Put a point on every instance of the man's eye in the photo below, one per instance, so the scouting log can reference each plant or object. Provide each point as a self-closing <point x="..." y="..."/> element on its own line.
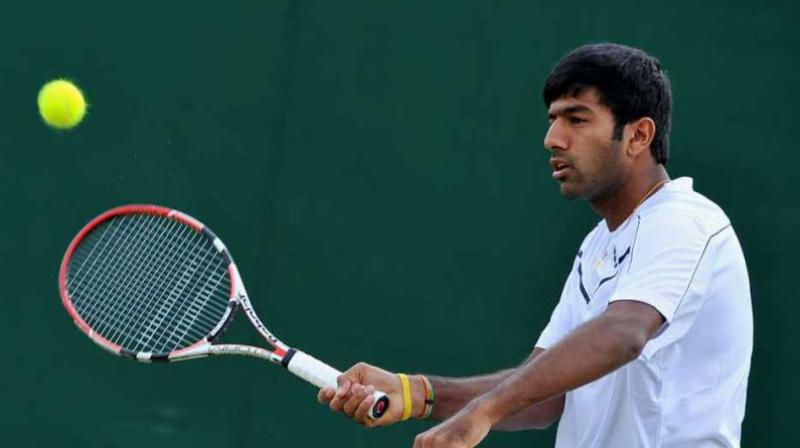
<point x="576" y="120"/>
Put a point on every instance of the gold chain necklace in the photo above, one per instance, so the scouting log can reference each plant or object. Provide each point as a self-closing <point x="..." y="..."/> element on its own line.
<point x="599" y="261"/>
<point x="650" y="192"/>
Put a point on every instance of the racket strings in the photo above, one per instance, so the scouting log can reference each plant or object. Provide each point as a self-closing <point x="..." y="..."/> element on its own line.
<point x="139" y="287"/>
<point x="169" y="314"/>
<point x="157" y="312"/>
<point x="101" y="313"/>
<point x="148" y="283"/>
<point x="105" y="312"/>
<point x="184" y="326"/>
<point x="207" y="282"/>
<point x="162" y="321"/>
<point x="157" y="269"/>
<point x="107" y="265"/>
<point x="95" y="264"/>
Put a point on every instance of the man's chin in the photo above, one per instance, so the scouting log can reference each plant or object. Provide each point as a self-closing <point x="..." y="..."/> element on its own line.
<point x="568" y="192"/>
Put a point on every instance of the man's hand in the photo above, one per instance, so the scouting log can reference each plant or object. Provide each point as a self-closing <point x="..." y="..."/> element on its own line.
<point x="466" y="429"/>
<point x="354" y="394"/>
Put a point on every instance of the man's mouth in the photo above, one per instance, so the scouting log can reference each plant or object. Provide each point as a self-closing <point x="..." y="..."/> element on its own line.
<point x="560" y="168"/>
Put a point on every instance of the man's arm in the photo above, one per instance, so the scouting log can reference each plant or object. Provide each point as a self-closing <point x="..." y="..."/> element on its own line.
<point x="356" y="385"/>
<point x="452" y="394"/>
<point x="593" y="350"/>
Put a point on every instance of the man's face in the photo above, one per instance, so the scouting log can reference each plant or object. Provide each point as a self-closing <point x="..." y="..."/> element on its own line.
<point x="586" y="160"/>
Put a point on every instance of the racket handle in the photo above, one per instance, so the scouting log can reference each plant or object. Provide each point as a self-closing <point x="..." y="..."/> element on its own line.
<point x="322" y="375"/>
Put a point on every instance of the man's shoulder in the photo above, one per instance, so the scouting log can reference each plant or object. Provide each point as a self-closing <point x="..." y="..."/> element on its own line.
<point x="682" y="210"/>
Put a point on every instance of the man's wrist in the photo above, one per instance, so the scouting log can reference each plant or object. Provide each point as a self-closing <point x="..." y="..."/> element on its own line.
<point x="486" y="408"/>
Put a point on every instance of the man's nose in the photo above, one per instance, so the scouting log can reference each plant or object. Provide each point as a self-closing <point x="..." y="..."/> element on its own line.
<point x="556" y="138"/>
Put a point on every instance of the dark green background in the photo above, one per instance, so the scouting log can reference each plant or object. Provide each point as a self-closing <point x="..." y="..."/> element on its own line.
<point x="377" y="170"/>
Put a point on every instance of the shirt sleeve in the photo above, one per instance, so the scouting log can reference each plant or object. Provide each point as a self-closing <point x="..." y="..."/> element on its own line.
<point x="560" y="321"/>
<point x="666" y="258"/>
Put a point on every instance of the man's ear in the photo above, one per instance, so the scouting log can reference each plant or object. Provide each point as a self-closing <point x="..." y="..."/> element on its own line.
<point x="641" y="134"/>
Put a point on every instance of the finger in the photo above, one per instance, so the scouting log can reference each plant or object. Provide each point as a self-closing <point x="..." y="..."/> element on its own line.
<point x="344" y="383"/>
<point x="362" y="411"/>
<point x="325" y="395"/>
<point x="357" y="395"/>
<point x="340" y="397"/>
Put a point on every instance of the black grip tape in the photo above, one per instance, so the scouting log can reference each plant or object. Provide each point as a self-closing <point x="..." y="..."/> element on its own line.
<point x="288" y="357"/>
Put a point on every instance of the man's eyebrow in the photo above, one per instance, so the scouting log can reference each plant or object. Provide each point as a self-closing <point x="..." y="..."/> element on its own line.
<point x="568" y="110"/>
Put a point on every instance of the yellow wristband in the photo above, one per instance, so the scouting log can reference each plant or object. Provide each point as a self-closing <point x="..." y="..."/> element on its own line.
<point x="406" y="396"/>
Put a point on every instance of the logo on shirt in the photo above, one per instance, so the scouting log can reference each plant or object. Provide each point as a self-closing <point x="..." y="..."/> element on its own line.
<point x="617" y="263"/>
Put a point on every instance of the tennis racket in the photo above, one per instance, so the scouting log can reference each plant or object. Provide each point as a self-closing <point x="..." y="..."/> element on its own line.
<point x="154" y="284"/>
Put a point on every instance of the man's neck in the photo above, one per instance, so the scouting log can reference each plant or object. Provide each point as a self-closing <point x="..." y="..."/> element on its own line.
<point x="618" y="207"/>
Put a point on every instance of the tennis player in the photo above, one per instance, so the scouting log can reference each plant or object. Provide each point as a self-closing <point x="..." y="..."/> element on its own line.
<point x="650" y="342"/>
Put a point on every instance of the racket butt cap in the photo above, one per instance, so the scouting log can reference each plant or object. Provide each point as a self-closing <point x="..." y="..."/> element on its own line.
<point x="380" y="407"/>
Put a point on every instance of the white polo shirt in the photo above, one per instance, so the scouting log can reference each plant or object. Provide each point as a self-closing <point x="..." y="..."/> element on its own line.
<point x="678" y="253"/>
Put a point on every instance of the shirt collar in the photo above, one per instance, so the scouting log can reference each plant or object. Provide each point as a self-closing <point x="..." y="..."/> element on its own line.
<point x="680" y="184"/>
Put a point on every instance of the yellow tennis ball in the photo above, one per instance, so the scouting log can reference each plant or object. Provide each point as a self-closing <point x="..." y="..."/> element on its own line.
<point x="61" y="104"/>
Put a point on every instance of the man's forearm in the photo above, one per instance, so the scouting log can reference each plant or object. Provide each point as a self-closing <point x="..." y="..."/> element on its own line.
<point x="452" y="394"/>
<point x="597" y="348"/>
